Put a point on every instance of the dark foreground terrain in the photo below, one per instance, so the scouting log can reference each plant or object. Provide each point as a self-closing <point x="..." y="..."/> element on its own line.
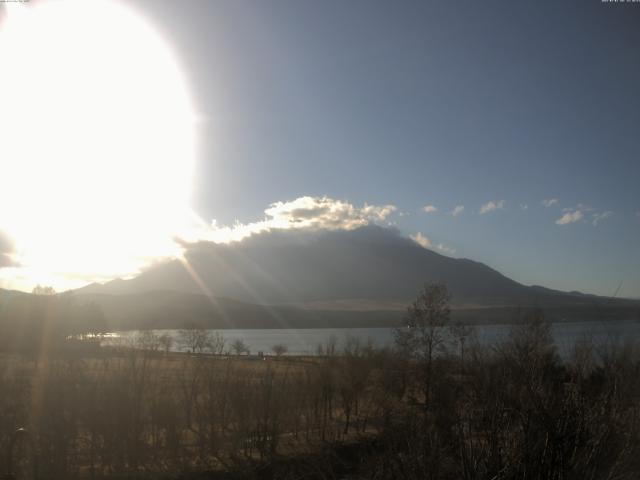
<point x="437" y="408"/>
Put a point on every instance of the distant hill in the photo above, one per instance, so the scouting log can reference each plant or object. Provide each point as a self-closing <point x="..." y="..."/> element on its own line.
<point x="171" y="309"/>
<point x="363" y="277"/>
<point x="10" y="293"/>
<point x="175" y="310"/>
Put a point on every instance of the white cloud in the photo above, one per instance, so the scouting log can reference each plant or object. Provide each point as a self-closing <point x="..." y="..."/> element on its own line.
<point x="424" y="242"/>
<point x="445" y="249"/>
<point x="457" y="210"/>
<point x="324" y="214"/>
<point x="524" y="206"/>
<point x="598" y="217"/>
<point x="579" y="212"/>
<point x="570" y="216"/>
<point x="430" y="209"/>
<point x="549" y="202"/>
<point x="421" y="240"/>
<point x="491" y="206"/>
<point x="313" y="213"/>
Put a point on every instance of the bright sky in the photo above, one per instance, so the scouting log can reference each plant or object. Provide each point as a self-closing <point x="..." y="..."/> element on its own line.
<point x="505" y="132"/>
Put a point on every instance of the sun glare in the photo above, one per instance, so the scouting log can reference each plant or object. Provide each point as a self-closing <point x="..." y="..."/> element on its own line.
<point x="96" y="140"/>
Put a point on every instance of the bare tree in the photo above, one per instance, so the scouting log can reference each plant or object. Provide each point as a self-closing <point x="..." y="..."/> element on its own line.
<point x="147" y="340"/>
<point x="166" y="342"/>
<point x="279" y="349"/>
<point x="460" y="333"/>
<point x="329" y="348"/>
<point x="424" y="333"/>
<point x="239" y="347"/>
<point x="195" y="340"/>
<point x="217" y="343"/>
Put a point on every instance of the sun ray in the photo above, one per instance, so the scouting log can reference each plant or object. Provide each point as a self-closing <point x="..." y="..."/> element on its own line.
<point x="205" y="290"/>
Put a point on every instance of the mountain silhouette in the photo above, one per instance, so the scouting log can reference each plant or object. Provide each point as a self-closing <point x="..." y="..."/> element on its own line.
<point x="306" y="278"/>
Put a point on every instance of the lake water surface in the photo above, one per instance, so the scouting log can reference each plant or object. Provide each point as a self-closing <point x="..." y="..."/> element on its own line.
<point x="306" y="341"/>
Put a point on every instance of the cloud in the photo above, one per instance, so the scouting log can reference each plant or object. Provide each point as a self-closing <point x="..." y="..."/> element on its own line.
<point x="430" y="209"/>
<point x="310" y="213"/>
<point x="598" y="217"/>
<point x="524" y="206"/>
<point x="421" y="240"/>
<point x="491" y="206"/>
<point x="7" y="249"/>
<point x="6" y="245"/>
<point x="457" y="210"/>
<point x="570" y="216"/>
<point x="325" y="214"/>
<point x="425" y="242"/>
<point x="579" y="212"/>
<point x="7" y="260"/>
<point x="549" y="202"/>
<point x="445" y="249"/>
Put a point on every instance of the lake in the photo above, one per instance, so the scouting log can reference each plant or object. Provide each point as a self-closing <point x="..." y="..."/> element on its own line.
<point x="306" y="341"/>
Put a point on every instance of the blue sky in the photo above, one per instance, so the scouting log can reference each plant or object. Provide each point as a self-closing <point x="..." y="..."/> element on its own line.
<point x="417" y="103"/>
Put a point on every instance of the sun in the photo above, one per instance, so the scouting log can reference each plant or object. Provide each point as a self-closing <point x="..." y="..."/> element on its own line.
<point x="97" y="141"/>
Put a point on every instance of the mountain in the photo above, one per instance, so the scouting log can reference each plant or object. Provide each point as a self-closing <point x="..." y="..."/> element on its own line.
<point x="371" y="263"/>
<point x="324" y="278"/>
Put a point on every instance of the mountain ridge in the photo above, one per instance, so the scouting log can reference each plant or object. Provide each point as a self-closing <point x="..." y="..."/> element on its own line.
<point x="295" y="268"/>
<point x="366" y="276"/>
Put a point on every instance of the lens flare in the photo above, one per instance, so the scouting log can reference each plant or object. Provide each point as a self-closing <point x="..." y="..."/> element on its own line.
<point x="97" y="141"/>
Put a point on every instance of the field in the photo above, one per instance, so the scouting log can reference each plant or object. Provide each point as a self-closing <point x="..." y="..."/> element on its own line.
<point x="148" y="413"/>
